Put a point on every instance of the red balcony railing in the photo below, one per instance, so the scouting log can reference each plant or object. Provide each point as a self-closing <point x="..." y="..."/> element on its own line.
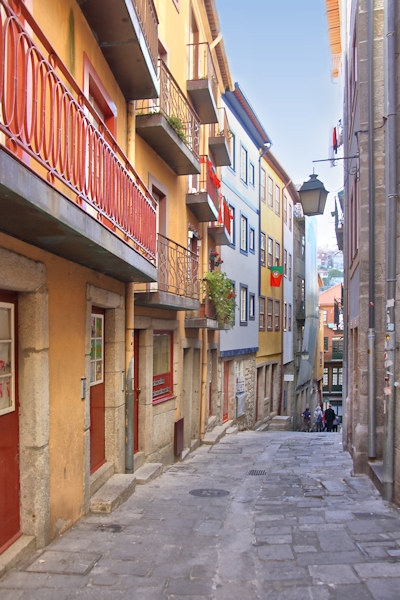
<point x="45" y="116"/>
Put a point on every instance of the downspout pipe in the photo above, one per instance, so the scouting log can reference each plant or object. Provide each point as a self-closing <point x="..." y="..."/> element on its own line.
<point x="371" y="251"/>
<point x="391" y="235"/>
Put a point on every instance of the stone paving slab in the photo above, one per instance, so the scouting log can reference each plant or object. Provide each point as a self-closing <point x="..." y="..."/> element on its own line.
<point x="266" y="525"/>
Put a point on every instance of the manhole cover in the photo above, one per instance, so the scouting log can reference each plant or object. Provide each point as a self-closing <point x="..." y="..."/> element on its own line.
<point x="258" y="472"/>
<point x="111" y="527"/>
<point x="208" y="492"/>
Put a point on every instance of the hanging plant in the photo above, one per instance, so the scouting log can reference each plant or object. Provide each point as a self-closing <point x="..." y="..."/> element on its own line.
<point x="219" y="289"/>
<point x="178" y="127"/>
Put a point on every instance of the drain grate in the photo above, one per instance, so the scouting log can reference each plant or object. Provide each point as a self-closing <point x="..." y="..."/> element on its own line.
<point x="258" y="472"/>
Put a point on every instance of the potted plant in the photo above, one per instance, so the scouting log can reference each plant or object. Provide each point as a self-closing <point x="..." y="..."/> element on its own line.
<point x="178" y="127"/>
<point x="219" y="289"/>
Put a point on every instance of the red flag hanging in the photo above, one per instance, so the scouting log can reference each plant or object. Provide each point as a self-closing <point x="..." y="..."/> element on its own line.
<point x="276" y="276"/>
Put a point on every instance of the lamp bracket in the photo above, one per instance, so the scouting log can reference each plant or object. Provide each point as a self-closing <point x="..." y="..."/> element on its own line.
<point x="336" y="158"/>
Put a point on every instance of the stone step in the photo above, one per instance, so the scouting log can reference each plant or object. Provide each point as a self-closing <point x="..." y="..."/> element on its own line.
<point x="280" y="423"/>
<point x="113" y="493"/>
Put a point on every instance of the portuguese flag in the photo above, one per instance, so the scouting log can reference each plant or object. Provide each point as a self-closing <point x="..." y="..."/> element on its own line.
<point x="276" y="276"/>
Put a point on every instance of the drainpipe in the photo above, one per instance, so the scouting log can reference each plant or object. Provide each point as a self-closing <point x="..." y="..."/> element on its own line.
<point x="371" y="252"/>
<point x="204" y="343"/>
<point x="391" y="235"/>
<point x="129" y="324"/>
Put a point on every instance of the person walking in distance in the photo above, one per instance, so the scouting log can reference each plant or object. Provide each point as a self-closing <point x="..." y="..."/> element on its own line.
<point x="306" y="419"/>
<point x="329" y="417"/>
<point x="318" y="418"/>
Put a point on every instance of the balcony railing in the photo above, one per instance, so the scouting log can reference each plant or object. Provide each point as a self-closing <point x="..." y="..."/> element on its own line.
<point x="219" y="140"/>
<point x="178" y="282"/>
<point x="202" y="84"/>
<point x="147" y="15"/>
<point x="178" y="269"/>
<point x="45" y="116"/>
<point x="173" y="105"/>
<point x="203" y="193"/>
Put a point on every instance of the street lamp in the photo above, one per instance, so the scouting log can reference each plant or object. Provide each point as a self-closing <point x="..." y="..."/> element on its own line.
<point x="305" y="355"/>
<point x="313" y="196"/>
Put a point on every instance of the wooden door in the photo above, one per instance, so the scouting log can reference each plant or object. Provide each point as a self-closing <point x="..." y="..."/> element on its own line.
<point x="97" y="390"/>
<point x="9" y="423"/>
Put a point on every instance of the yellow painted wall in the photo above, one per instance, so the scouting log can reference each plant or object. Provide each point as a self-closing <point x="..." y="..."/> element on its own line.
<point x="66" y="286"/>
<point x="270" y="342"/>
<point x="67" y="30"/>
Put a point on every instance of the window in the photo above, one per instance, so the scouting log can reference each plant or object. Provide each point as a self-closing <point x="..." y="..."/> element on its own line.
<point x="243" y="234"/>
<point x="270" y="192"/>
<point x="243" y="164"/>
<point x="243" y="304"/>
<point x="277" y="315"/>
<point x="96" y="349"/>
<point x="261" y="313"/>
<point x="252" y="175"/>
<point x="285" y="208"/>
<point x="290" y="219"/>
<point x="233" y="151"/>
<point x="270" y="309"/>
<point x="162" y="366"/>
<point x="320" y="359"/>
<point x="285" y="270"/>
<point x="284" y="324"/>
<point x="326" y="379"/>
<point x="252" y="237"/>
<point x="7" y="360"/>
<point x="337" y="348"/>
<point x="290" y="267"/>
<point x="263" y="185"/>
<point x="290" y="317"/>
<point x="277" y="254"/>
<point x="270" y="251"/>
<point x="98" y="96"/>
<point x="336" y="379"/>
<point x="252" y="307"/>
<point x="326" y="344"/>
<point x="233" y="225"/>
<point x="277" y="200"/>
<point x="262" y="248"/>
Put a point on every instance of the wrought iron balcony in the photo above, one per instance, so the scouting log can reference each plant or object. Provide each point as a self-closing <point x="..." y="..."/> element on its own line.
<point x="170" y="125"/>
<point x="202" y="84"/>
<point x="127" y="33"/>
<point x="66" y="186"/>
<point x="203" y="195"/>
<point x="219" y="140"/>
<point x="178" y="285"/>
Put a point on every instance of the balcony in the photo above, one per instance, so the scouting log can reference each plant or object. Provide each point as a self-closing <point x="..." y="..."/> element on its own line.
<point x="300" y="310"/>
<point x="127" y="33"/>
<point x="170" y="126"/>
<point x="219" y="140"/>
<point x="202" y="83"/>
<point x="178" y="286"/>
<point x="203" y="195"/>
<point x="65" y="185"/>
<point x="220" y="231"/>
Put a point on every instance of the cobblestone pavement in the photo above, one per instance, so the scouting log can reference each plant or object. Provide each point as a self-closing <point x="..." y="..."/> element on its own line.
<point x="260" y="515"/>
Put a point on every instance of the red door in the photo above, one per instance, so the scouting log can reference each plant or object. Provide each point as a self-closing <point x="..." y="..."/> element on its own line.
<point x="136" y="392"/>
<point x="97" y="390"/>
<point x="9" y="423"/>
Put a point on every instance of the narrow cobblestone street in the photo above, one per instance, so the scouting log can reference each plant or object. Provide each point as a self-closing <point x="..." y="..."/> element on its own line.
<point x="260" y="515"/>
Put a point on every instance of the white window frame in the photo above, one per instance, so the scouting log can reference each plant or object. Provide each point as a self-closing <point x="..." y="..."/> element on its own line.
<point x="7" y="373"/>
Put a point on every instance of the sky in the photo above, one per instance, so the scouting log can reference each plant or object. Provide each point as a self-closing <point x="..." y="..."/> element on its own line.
<point x="278" y="53"/>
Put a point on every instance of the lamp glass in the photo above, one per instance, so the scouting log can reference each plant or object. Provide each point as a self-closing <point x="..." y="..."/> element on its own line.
<point x="313" y="196"/>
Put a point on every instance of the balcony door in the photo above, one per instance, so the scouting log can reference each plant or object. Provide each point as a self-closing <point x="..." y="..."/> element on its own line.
<point x="97" y="390"/>
<point x="9" y="423"/>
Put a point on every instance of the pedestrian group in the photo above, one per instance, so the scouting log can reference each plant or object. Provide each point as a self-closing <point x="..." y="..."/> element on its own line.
<point x="324" y="420"/>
